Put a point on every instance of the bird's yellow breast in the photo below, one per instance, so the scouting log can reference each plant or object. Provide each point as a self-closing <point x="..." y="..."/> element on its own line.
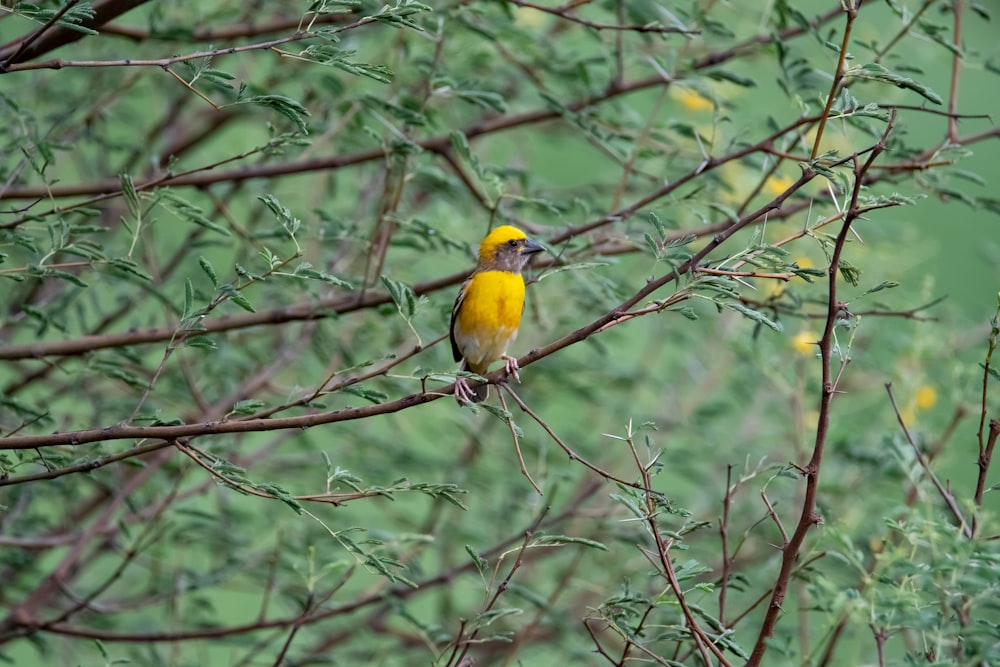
<point x="489" y="316"/>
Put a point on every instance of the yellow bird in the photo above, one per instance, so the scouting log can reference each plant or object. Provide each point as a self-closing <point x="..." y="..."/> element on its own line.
<point x="487" y="312"/>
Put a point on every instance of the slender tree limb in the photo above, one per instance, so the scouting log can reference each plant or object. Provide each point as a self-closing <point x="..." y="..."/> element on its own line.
<point x="946" y="495"/>
<point x="104" y="11"/>
<point x="808" y="517"/>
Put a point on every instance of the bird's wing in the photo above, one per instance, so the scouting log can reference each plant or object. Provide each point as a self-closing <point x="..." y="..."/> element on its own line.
<point x="455" y="352"/>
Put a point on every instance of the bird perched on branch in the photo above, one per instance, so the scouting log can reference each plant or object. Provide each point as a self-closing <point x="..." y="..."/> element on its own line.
<point x="488" y="309"/>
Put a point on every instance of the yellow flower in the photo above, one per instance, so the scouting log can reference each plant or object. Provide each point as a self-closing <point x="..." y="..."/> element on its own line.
<point x="804" y="342"/>
<point x="530" y="18"/>
<point x="803" y="262"/>
<point x="692" y="100"/>
<point x="926" y="397"/>
<point x="775" y="185"/>
<point x="773" y="288"/>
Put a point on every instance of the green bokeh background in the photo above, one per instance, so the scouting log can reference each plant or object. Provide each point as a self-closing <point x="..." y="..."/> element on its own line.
<point x="720" y="391"/>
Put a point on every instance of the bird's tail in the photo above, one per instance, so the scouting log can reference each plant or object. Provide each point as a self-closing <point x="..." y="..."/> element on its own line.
<point x="482" y="391"/>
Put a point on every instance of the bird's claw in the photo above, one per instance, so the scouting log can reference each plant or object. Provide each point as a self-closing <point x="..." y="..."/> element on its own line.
<point x="463" y="392"/>
<point x="510" y="363"/>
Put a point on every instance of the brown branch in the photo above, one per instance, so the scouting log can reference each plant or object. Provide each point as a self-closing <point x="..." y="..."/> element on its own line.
<point x="33" y="37"/>
<point x="777" y="520"/>
<point x="785" y="277"/>
<point x="458" y="658"/>
<point x="350" y="303"/>
<point x="87" y="466"/>
<point x="435" y="144"/>
<point x="564" y="14"/>
<point x="946" y="495"/>
<point x="573" y="456"/>
<point x="991" y="347"/>
<point x="703" y="642"/>
<point x="75" y="438"/>
<point x="851" y="9"/>
<point x="983" y="463"/>
<point x="811" y="470"/>
<point x="956" y="71"/>
<point x="378" y="597"/>
<point x="59" y="63"/>
<point x="727" y="561"/>
<point x="25" y="613"/>
<point x="104" y="11"/>
<point x="223" y="34"/>
<point x="517" y="445"/>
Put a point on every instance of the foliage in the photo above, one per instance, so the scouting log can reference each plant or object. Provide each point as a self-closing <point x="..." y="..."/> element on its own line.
<point x="231" y="235"/>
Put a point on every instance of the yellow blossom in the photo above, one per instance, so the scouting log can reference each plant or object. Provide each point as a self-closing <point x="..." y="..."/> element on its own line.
<point x="775" y="185"/>
<point x="926" y="397"/>
<point x="803" y="262"/>
<point x="804" y="342"/>
<point x="773" y="288"/>
<point x="530" y="17"/>
<point x="692" y="100"/>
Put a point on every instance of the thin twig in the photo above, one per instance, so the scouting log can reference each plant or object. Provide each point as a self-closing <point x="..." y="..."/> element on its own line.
<point x="956" y="70"/>
<point x="5" y="66"/>
<point x="565" y="15"/>
<point x="517" y="443"/>
<point x="946" y="495"/>
<point x="851" y="9"/>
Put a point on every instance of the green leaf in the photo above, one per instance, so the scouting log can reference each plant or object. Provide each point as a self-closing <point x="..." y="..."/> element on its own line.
<point x="112" y="368"/>
<point x="399" y="15"/>
<point x="877" y="72"/>
<point x="657" y="225"/>
<point x="126" y="265"/>
<point x="481" y="565"/>
<point x="332" y="56"/>
<point x="290" y="223"/>
<point x="218" y="78"/>
<point x="182" y="208"/>
<point x="407" y="114"/>
<point x="754" y="315"/>
<point x="209" y="270"/>
<point x="370" y="395"/>
<point x="731" y="77"/>
<point x="70" y="19"/>
<point x="502" y="415"/>
<point x="286" y="106"/>
<point x="201" y="342"/>
<point x="484" y="99"/>
<point x="850" y="272"/>
<point x="188" y="307"/>
<point x="887" y="284"/>
<point x="276" y="491"/>
<point x="305" y="270"/>
<point x="42" y="272"/>
<point x="248" y="406"/>
<point x="556" y="540"/>
<point x="992" y="370"/>
<point x="130" y="195"/>
<point x="234" y="295"/>
<point x="402" y="295"/>
<point x="494" y="614"/>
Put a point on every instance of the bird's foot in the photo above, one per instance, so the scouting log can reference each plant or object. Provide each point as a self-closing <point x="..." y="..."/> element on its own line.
<point x="463" y="392"/>
<point x="510" y="363"/>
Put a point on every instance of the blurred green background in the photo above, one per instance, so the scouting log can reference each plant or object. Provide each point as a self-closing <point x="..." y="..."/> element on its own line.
<point x="710" y="396"/>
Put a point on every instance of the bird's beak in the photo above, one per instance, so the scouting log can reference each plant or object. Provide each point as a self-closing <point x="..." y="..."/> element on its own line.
<point x="530" y="247"/>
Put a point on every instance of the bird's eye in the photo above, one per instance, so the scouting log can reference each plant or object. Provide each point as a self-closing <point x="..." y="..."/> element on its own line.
<point x="512" y="243"/>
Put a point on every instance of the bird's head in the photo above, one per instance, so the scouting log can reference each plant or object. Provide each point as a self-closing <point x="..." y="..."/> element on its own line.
<point x="507" y="248"/>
